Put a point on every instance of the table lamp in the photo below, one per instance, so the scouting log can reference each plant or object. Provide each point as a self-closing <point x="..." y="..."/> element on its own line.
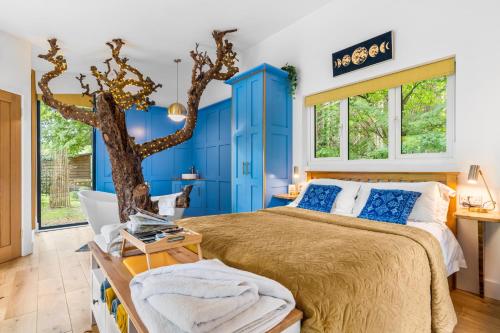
<point x="474" y="173"/>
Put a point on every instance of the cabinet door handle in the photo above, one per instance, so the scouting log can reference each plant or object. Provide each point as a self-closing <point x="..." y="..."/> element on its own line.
<point x="242" y="168"/>
<point x="248" y="168"/>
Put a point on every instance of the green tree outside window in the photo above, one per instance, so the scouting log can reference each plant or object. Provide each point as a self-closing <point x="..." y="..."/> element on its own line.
<point x="423" y="116"/>
<point x="327" y="131"/>
<point x="368" y="125"/>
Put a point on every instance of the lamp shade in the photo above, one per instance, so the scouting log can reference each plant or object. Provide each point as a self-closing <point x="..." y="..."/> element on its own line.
<point x="177" y="112"/>
<point x="473" y="174"/>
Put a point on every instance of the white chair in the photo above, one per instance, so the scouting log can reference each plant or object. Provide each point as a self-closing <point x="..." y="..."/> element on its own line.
<point x="101" y="208"/>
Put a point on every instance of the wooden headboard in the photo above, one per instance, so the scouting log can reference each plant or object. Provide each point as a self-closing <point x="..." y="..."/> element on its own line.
<point x="447" y="178"/>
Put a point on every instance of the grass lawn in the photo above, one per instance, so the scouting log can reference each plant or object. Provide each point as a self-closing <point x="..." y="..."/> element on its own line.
<point x="61" y="216"/>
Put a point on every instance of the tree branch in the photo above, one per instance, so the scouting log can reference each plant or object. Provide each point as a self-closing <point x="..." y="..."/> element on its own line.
<point x="204" y="70"/>
<point x="407" y="97"/>
<point x="120" y="82"/>
<point x="67" y="111"/>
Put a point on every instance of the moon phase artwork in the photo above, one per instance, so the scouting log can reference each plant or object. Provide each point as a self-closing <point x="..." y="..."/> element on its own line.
<point x="369" y="52"/>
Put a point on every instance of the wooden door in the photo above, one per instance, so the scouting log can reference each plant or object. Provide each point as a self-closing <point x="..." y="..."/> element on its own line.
<point x="10" y="176"/>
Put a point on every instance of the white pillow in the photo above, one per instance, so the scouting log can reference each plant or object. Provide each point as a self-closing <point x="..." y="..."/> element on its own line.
<point x="426" y="206"/>
<point x="444" y="202"/>
<point x="344" y="203"/>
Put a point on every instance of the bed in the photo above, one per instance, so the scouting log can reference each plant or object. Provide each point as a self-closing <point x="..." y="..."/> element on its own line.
<point x="346" y="274"/>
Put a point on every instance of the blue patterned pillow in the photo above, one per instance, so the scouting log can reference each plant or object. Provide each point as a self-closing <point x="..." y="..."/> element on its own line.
<point x="389" y="205"/>
<point x="319" y="197"/>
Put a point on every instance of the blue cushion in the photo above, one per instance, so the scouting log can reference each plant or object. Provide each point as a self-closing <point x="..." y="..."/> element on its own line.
<point x="389" y="205"/>
<point x="319" y="197"/>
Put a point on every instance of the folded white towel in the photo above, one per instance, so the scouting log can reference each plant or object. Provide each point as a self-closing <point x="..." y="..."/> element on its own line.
<point x="166" y="203"/>
<point x="208" y="296"/>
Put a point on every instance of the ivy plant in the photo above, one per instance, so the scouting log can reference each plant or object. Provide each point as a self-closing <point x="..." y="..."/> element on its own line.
<point x="292" y="77"/>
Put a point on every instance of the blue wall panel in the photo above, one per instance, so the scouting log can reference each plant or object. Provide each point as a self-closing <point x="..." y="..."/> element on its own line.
<point x="212" y="154"/>
<point x="208" y="151"/>
<point x="225" y="196"/>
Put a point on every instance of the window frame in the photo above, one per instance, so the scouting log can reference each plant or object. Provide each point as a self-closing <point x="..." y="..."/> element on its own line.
<point x="394" y="129"/>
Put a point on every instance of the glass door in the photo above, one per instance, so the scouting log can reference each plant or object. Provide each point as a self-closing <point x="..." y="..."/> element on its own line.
<point x="65" y="166"/>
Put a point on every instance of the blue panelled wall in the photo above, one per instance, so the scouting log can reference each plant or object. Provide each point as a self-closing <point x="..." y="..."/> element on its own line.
<point x="208" y="151"/>
<point x="212" y="155"/>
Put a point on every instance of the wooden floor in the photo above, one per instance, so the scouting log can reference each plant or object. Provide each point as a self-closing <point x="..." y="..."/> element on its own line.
<point x="48" y="291"/>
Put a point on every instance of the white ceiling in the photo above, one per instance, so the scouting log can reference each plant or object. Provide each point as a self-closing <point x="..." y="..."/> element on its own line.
<point x="156" y="31"/>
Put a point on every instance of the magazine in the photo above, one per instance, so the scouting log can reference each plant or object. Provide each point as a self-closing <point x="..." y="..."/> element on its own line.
<point x="144" y="221"/>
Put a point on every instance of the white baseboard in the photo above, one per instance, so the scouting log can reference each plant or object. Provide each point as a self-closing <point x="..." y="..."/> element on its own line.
<point x="492" y="289"/>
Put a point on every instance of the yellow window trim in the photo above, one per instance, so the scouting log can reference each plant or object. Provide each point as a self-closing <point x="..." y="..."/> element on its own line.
<point x="73" y="99"/>
<point x="439" y="68"/>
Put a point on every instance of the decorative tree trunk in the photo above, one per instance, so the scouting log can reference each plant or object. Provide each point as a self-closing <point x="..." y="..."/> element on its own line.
<point x="112" y="99"/>
<point x="126" y="163"/>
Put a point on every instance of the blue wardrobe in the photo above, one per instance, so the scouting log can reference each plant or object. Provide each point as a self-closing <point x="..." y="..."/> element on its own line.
<point x="261" y="147"/>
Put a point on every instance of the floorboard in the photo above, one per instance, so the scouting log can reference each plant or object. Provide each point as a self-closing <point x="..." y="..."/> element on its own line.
<point x="48" y="291"/>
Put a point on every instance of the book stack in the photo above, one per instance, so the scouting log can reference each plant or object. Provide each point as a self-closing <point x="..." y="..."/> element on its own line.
<point x="149" y="227"/>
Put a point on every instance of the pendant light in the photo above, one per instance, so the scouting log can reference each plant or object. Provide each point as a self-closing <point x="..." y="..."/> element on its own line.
<point x="177" y="111"/>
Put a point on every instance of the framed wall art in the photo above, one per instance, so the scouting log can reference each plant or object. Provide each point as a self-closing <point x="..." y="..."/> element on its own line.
<point x="367" y="53"/>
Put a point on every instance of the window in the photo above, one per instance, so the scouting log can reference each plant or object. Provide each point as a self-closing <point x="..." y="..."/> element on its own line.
<point x="423" y="116"/>
<point x="412" y="120"/>
<point x="327" y="129"/>
<point x="368" y="126"/>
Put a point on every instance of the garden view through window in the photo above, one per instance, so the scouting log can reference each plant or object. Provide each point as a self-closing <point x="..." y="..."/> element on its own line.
<point x="65" y="167"/>
<point x="327" y="129"/>
<point x="422" y="113"/>
<point x="368" y="125"/>
<point x="423" y="116"/>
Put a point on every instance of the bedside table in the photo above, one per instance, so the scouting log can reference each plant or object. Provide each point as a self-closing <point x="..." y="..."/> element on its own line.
<point x="281" y="199"/>
<point x="481" y="218"/>
<point x="286" y="196"/>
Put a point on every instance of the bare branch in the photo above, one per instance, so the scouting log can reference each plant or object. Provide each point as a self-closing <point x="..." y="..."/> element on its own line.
<point x="85" y="86"/>
<point x="67" y="111"/>
<point x="204" y="70"/>
<point x="118" y="85"/>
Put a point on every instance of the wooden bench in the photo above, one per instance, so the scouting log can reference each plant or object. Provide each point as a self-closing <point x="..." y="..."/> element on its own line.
<point x="112" y="268"/>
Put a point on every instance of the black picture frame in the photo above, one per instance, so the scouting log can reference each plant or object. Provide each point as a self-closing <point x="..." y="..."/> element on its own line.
<point x="364" y="54"/>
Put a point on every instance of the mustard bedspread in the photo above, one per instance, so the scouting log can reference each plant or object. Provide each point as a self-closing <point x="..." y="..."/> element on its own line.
<point x="346" y="274"/>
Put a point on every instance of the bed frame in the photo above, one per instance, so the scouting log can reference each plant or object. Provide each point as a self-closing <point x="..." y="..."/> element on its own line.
<point x="447" y="178"/>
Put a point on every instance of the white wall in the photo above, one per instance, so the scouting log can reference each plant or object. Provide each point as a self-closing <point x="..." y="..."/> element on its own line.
<point x="15" y="77"/>
<point x="424" y="31"/>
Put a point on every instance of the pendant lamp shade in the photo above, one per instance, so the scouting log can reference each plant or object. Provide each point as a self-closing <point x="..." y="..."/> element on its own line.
<point x="177" y="111"/>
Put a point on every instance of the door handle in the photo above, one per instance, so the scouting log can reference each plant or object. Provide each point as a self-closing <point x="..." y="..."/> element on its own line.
<point x="242" y="168"/>
<point x="248" y="168"/>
